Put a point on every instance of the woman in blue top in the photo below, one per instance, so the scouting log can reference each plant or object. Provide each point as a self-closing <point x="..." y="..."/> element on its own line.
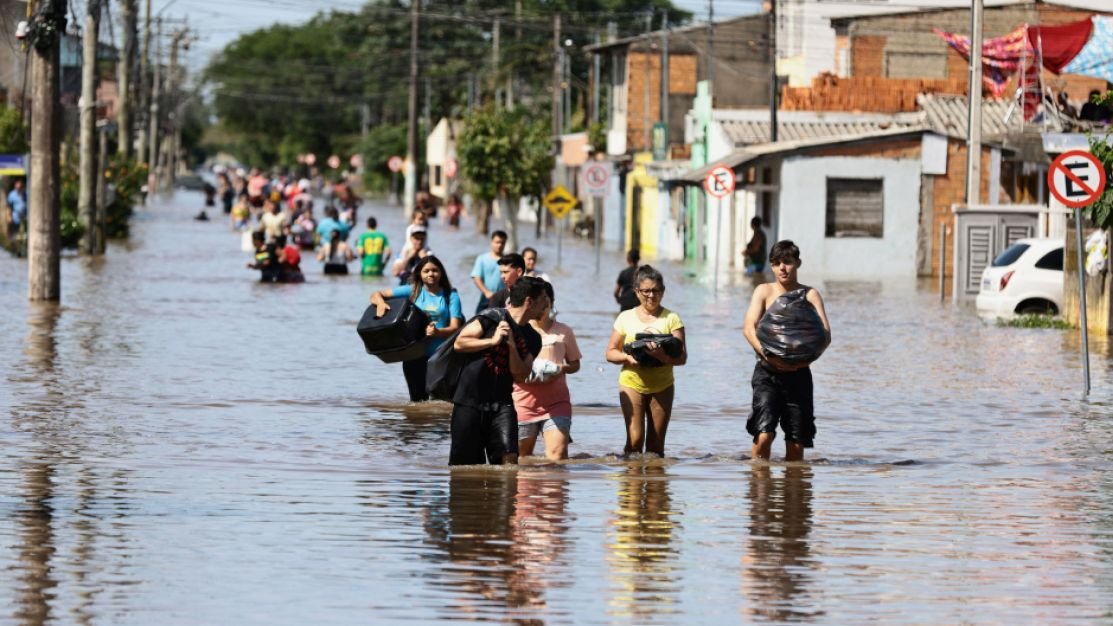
<point x="430" y="291"/>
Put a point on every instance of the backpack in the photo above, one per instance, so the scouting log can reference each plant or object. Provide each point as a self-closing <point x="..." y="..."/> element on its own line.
<point x="442" y="374"/>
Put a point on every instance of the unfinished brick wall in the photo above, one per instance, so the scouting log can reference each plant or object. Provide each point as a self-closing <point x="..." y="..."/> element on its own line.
<point x="867" y="54"/>
<point x="870" y="93"/>
<point x="643" y="72"/>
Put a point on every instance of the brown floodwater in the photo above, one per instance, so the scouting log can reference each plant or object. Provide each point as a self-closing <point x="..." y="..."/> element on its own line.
<point x="182" y="445"/>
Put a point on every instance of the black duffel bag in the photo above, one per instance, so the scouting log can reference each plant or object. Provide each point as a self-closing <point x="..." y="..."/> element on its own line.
<point x="791" y="329"/>
<point x="399" y="335"/>
<point x="637" y="348"/>
<point x="442" y="374"/>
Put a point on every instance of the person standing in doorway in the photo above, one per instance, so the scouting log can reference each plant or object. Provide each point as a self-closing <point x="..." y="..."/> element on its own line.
<point x="485" y="273"/>
<point x="755" y="249"/>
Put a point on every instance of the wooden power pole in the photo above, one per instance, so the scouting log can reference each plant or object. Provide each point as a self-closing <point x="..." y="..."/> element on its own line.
<point x="411" y="133"/>
<point x="87" y="160"/>
<point x="44" y="240"/>
<point x="128" y="11"/>
<point x="142" y="86"/>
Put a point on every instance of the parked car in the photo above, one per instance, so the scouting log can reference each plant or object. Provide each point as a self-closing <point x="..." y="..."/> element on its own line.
<point x="1026" y="278"/>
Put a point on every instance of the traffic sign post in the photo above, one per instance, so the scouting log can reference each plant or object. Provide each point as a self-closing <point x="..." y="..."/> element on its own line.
<point x="559" y="201"/>
<point x="1077" y="179"/>
<point x="594" y="177"/>
<point x="719" y="183"/>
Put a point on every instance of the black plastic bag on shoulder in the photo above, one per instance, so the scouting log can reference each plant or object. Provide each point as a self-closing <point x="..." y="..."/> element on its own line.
<point x="791" y="329"/>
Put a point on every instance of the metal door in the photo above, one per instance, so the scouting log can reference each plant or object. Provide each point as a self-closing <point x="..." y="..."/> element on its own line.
<point x="981" y="236"/>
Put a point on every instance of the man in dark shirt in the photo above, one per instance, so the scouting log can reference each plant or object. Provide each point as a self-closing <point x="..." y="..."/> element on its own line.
<point x="511" y="267"/>
<point x="755" y="249"/>
<point x="484" y="424"/>
<point x="624" y="293"/>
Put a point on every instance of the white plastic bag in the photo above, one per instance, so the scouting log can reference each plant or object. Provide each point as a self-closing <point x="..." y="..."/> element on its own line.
<point x="1097" y="252"/>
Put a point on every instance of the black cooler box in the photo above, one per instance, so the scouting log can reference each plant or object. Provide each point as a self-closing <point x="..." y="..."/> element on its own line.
<point x="397" y="336"/>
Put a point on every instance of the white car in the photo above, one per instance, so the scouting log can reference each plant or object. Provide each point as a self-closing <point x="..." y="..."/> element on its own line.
<point x="1026" y="278"/>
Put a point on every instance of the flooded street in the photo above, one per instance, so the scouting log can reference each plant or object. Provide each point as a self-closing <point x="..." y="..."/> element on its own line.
<point x="180" y="444"/>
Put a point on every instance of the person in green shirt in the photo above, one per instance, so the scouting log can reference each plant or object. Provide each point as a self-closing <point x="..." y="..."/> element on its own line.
<point x="374" y="248"/>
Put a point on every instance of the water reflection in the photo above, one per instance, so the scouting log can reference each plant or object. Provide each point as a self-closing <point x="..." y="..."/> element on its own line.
<point x="776" y="565"/>
<point x="502" y="531"/>
<point x="36" y="553"/>
<point x="642" y="559"/>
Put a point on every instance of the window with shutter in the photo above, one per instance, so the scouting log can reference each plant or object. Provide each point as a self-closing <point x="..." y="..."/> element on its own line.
<point x="855" y="207"/>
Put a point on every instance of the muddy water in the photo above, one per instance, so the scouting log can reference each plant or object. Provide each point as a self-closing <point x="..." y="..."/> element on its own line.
<point x="181" y="445"/>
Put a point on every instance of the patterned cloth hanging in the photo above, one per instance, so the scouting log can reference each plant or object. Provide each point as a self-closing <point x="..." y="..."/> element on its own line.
<point x="1096" y="57"/>
<point x="1001" y="56"/>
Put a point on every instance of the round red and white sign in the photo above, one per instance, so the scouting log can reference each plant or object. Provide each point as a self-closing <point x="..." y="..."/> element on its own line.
<point x="720" y="181"/>
<point x="394" y="164"/>
<point x="595" y="176"/>
<point x="1076" y="178"/>
<point x="450" y="168"/>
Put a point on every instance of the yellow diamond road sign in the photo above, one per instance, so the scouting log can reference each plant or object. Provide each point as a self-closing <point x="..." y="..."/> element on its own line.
<point x="559" y="201"/>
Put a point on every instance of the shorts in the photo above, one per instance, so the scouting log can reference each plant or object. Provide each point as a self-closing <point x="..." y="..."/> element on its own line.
<point x="336" y="268"/>
<point x="483" y="434"/>
<point x="557" y="422"/>
<point x="755" y="268"/>
<point x="784" y="398"/>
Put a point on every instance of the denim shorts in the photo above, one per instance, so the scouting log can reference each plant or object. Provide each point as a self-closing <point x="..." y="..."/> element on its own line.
<point x="533" y="429"/>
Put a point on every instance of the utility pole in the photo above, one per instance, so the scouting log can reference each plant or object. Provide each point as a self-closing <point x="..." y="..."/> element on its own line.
<point x="512" y="75"/>
<point x="495" y="62"/>
<point x="152" y="133"/>
<point x="665" y="70"/>
<point x="141" y="90"/>
<point x="87" y="160"/>
<point x="44" y="211"/>
<point x="174" y="90"/>
<point x="612" y="34"/>
<point x="411" y="135"/>
<point x="774" y="92"/>
<point x="128" y="9"/>
<point x="711" y="49"/>
<point x="596" y="76"/>
<point x="558" y="71"/>
<point x="974" y="120"/>
<point x="101" y="191"/>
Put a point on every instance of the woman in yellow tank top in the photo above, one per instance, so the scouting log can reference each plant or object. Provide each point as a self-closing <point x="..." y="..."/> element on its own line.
<point x="646" y="392"/>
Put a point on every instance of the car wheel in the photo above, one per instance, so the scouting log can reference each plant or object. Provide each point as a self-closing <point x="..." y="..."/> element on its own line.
<point x="1037" y="308"/>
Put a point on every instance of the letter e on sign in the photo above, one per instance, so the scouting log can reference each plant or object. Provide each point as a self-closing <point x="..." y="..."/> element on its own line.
<point x="1076" y="178"/>
<point x="719" y="182"/>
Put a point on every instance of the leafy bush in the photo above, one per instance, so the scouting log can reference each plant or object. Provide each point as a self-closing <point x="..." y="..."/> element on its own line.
<point x="1034" y="320"/>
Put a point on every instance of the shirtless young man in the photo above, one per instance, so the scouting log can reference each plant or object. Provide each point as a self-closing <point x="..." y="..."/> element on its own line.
<point x="782" y="390"/>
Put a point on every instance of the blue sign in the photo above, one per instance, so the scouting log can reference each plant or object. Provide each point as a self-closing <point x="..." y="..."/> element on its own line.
<point x="13" y="164"/>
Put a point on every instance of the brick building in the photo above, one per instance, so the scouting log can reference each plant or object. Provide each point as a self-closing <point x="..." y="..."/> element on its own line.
<point x="632" y="74"/>
<point x="886" y="60"/>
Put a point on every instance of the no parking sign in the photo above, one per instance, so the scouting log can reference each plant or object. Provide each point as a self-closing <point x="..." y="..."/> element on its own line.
<point x="1076" y="178"/>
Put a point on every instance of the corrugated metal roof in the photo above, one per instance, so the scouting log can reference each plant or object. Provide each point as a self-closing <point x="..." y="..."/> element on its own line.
<point x="748" y="132"/>
<point x="942" y="114"/>
<point x="947" y="115"/>
<point x="749" y="153"/>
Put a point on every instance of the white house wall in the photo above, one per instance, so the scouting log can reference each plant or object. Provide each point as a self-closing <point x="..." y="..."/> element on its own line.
<point x="803" y="217"/>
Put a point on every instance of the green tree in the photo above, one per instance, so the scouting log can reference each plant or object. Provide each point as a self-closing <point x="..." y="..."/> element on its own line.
<point x="505" y="156"/>
<point x="286" y="90"/>
<point x="13" y="132"/>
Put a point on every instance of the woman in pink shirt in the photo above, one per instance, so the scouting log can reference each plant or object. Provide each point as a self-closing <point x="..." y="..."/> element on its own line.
<point x="543" y="403"/>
